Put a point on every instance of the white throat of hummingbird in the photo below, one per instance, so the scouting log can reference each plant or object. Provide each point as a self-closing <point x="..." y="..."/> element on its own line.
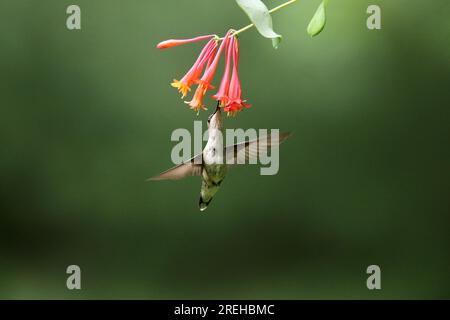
<point x="213" y="152"/>
<point x="215" y="119"/>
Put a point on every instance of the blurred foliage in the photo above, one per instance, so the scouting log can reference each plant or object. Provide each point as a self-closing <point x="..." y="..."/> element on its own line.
<point x="87" y="117"/>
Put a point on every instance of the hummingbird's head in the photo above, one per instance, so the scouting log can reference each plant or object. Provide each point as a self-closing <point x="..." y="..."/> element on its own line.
<point x="215" y="119"/>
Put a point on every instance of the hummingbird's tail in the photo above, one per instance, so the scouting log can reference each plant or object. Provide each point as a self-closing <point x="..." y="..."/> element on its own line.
<point x="206" y="195"/>
<point x="203" y="203"/>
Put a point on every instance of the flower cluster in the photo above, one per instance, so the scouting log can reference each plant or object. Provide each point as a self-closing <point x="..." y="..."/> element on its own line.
<point x="202" y="73"/>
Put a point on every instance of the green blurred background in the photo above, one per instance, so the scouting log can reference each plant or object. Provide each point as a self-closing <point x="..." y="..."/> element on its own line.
<point x="86" y="117"/>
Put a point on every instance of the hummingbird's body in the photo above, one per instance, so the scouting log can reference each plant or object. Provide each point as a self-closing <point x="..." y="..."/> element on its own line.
<point x="212" y="164"/>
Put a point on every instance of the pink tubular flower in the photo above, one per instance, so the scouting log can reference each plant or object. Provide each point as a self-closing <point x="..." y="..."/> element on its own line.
<point x="205" y="82"/>
<point x="235" y="102"/>
<point x="176" y="42"/>
<point x="222" y="93"/>
<point x="184" y="85"/>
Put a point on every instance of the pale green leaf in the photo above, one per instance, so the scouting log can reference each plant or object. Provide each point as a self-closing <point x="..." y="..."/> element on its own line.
<point x="259" y="15"/>
<point x="318" y="21"/>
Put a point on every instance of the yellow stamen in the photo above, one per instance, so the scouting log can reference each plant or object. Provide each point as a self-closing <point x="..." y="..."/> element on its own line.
<point x="182" y="88"/>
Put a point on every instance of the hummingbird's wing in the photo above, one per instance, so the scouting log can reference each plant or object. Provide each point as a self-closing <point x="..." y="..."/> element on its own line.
<point x="192" y="167"/>
<point x="247" y="152"/>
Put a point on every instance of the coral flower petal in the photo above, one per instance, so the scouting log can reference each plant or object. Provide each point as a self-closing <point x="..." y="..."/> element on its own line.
<point x="176" y="42"/>
<point x="191" y="77"/>
<point x="204" y="83"/>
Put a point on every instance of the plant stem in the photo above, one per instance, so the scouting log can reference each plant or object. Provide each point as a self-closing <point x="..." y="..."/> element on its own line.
<point x="270" y="11"/>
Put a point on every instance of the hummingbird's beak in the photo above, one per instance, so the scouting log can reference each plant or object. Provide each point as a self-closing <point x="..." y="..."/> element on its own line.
<point x="215" y="119"/>
<point x="217" y="108"/>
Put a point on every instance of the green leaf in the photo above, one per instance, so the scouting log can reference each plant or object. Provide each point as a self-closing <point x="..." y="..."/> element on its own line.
<point x="318" y="21"/>
<point x="259" y="15"/>
<point x="276" y="42"/>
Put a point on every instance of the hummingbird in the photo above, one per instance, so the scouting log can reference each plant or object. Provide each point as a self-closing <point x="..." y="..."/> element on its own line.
<point x="213" y="163"/>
